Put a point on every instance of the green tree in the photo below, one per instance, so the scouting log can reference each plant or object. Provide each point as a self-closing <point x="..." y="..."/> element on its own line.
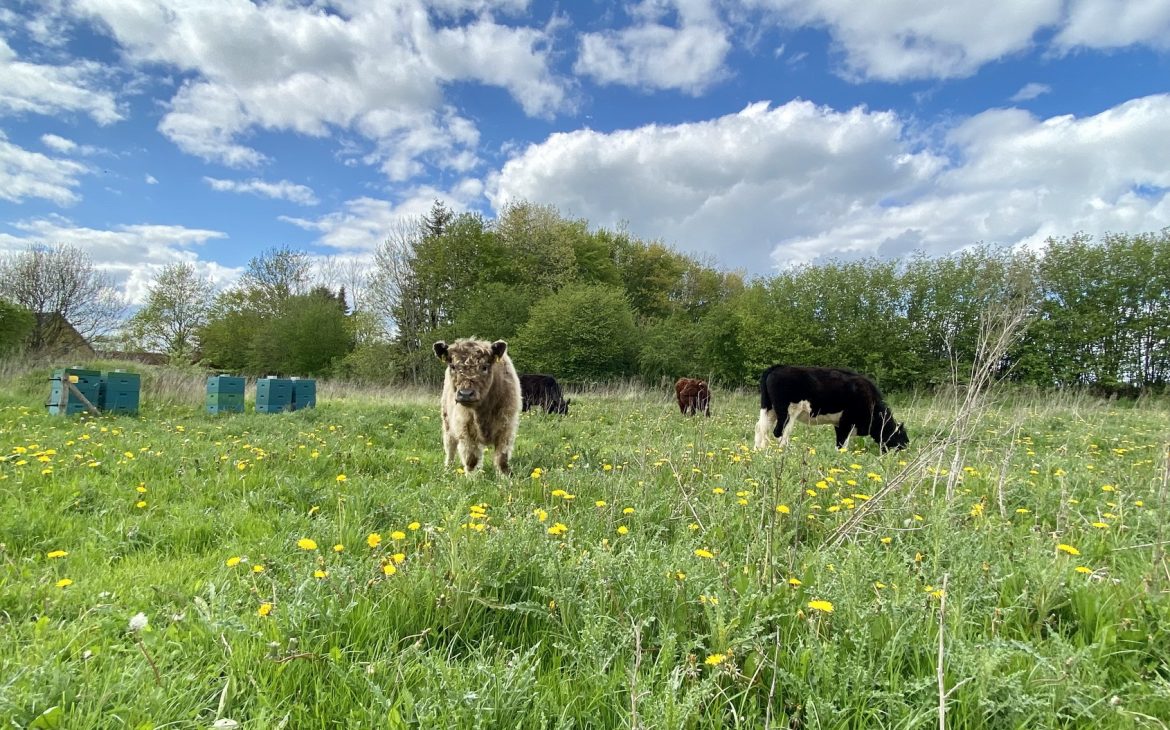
<point x="176" y="308"/>
<point x="583" y="332"/>
<point x="494" y="311"/>
<point x="16" y="323"/>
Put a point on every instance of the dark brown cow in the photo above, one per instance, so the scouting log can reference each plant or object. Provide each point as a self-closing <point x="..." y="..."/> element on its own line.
<point x="480" y="401"/>
<point x="693" y="396"/>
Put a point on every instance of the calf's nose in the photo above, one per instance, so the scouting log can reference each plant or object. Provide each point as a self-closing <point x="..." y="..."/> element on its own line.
<point x="465" y="394"/>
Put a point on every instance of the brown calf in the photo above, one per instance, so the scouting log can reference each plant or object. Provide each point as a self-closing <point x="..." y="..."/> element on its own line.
<point x="693" y="396"/>
<point x="480" y="401"/>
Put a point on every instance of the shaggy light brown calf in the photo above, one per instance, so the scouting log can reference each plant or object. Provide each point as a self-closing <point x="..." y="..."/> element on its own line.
<point x="480" y="401"/>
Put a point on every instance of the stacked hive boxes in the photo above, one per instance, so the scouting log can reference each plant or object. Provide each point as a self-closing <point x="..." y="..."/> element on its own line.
<point x="274" y="395"/>
<point x="119" y="392"/>
<point x="88" y="382"/>
<point x="304" y="393"/>
<point x="225" y="394"/>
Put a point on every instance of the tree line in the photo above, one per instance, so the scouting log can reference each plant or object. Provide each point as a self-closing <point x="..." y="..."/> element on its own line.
<point x="593" y="304"/>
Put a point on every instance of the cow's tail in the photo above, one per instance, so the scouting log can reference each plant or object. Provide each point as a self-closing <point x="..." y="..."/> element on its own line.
<point x="765" y="399"/>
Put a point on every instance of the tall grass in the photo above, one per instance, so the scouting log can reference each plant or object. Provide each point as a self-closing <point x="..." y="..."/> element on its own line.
<point x="676" y="595"/>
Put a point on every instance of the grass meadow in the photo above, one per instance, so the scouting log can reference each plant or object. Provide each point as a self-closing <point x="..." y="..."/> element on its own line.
<point x="322" y="569"/>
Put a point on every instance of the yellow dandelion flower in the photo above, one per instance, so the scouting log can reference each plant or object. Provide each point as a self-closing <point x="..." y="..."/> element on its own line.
<point x="717" y="490"/>
<point x="398" y="535"/>
<point x="783" y="509"/>
<point x="398" y="558"/>
<point x="264" y="609"/>
<point x="140" y="504"/>
<point x="318" y="573"/>
<point x="703" y="553"/>
<point x="622" y="529"/>
<point x="558" y="492"/>
<point x="413" y="526"/>
<point x="1101" y="525"/>
<point x="53" y="554"/>
<point x="887" y="540"/>
<point x="557" y="528"/>
<point x="1023" y="511"/>
<point x="540" y="514"/>
<point x="389" y="569"/>
<point x="141" y="489"/>
<point x="823" y="606"/>
<point x="307" y="544"/>
<point x="715" y="659"/>
<point x="795" y="582"/>
<point x="64" y="582"/>
<point x="1083" y="569"/>
<point x="878" y="584"/>
<point x="630" y="510"/>
<point x="1108" y="488"/>
<point x="693" y="527"/>
<point x="233" y="561"/>
<point x="338" y="548"/>
<point x="341" y="477"/>
<point x="373" y="539"/>
<point x="607" y="467"/>
<point x="599" y="503"/>
<point x="1068" y="549"/>
<point x="537" y="472"/>
<point x="257" y="568"/>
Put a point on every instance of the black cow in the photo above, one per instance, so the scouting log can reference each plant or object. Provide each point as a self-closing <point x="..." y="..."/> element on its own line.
<point x="848" y="400"/>
<point x="537" y="389"/>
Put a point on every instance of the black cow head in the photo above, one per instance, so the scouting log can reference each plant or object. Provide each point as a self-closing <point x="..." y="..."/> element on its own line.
<point x="889" y="433"/>
<point x="561" y="407"/>
<point x="472" y="367"/>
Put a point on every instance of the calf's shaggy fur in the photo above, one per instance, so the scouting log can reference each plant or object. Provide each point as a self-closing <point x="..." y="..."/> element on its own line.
<point x="480" y="402"/>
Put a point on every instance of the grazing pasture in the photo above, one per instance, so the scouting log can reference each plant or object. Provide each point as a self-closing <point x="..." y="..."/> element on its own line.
<point x="321" y="569"/>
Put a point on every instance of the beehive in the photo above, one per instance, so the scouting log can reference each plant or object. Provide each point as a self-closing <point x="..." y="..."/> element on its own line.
<point x="225" y="394"/>
<point x="304" y="393"/>
<point x="119" y="392"/>
<point x="274" y="395"/>
<point x="88" y="382"/>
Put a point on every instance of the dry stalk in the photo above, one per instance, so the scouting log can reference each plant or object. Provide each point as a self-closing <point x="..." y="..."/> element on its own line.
<point x="942" y="685"/>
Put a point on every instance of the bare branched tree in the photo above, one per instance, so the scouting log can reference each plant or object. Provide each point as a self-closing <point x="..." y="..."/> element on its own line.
<point x="61" y="280"/>
<point x="391" y="292"/>
<point x="276" y="275"/>
<point x="348" y="273"/>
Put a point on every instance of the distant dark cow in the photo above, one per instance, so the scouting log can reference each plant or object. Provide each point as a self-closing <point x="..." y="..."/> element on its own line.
<point x="693" y="396"/>
<point x="537" y="389"/>
<point x="813" y="395"/>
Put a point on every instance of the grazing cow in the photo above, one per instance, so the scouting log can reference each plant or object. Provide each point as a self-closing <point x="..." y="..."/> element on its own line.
<point x="814" y="395"/>
<point x="537" y="389"/>
<point x="693" y="396"/>
<point x="480" y="401"/>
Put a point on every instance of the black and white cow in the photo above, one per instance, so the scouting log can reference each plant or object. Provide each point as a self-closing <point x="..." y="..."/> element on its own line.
<point x="814" y="395"/>
<point x="538" y="389"/>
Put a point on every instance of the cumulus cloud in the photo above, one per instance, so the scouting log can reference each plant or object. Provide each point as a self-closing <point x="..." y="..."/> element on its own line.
<point x="377" y="69"/>
<point x="651" y="54"/>
<point x="133" y="254"/>
<point x="280" y="190"/>
<point x="734" y="186"/>
<point x="26" y="174"/>
<point x="1030" y="91"/>
<point x="912" y="40"/>
<point x="798" y="182"/>
<point x="1110" y="24"/>
<point x="150" y="179"/>
<point x="363" y="223"/>
<point x="47" y="89"/>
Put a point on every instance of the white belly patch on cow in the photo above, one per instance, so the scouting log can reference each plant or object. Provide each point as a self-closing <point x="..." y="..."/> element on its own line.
<point x="803" y="412"/>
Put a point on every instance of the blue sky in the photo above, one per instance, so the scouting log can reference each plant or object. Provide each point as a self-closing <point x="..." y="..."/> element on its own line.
<point x="753" y="133"/>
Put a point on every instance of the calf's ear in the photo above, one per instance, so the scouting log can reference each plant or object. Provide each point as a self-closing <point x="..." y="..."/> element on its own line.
<point x="499" y="347"/>
<point x="441" y="351"/>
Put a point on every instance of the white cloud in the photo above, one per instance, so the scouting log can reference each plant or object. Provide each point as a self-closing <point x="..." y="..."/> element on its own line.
<point x="791" y="184"/>
<point x="1112" y="24"/>
<point x="25" y="174"/>
<point x="31" y="88"/>
<point x="363" y="223"/>
<point x="66" y="146"/>
<point x="151" y="179"/>
<point x="654" y="55"/>
<point x="133" y="254"/>
<point x="907" y="39"/>
<point x="377" y="69"/>
<point x="281" y="190"/>
<point x="734" y="186"/>
<point x="1030" y="91"/>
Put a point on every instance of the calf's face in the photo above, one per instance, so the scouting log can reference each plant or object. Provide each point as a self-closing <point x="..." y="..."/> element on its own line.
<point x="471" y="364"/>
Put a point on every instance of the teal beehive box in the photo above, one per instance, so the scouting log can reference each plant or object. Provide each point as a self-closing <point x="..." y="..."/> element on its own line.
<point x="225" y="394"/>
<point x="304" y="393"/>
<point x="274" y="395"/>
<point x="119" y="392"/>
<point x="63" y="401"/>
